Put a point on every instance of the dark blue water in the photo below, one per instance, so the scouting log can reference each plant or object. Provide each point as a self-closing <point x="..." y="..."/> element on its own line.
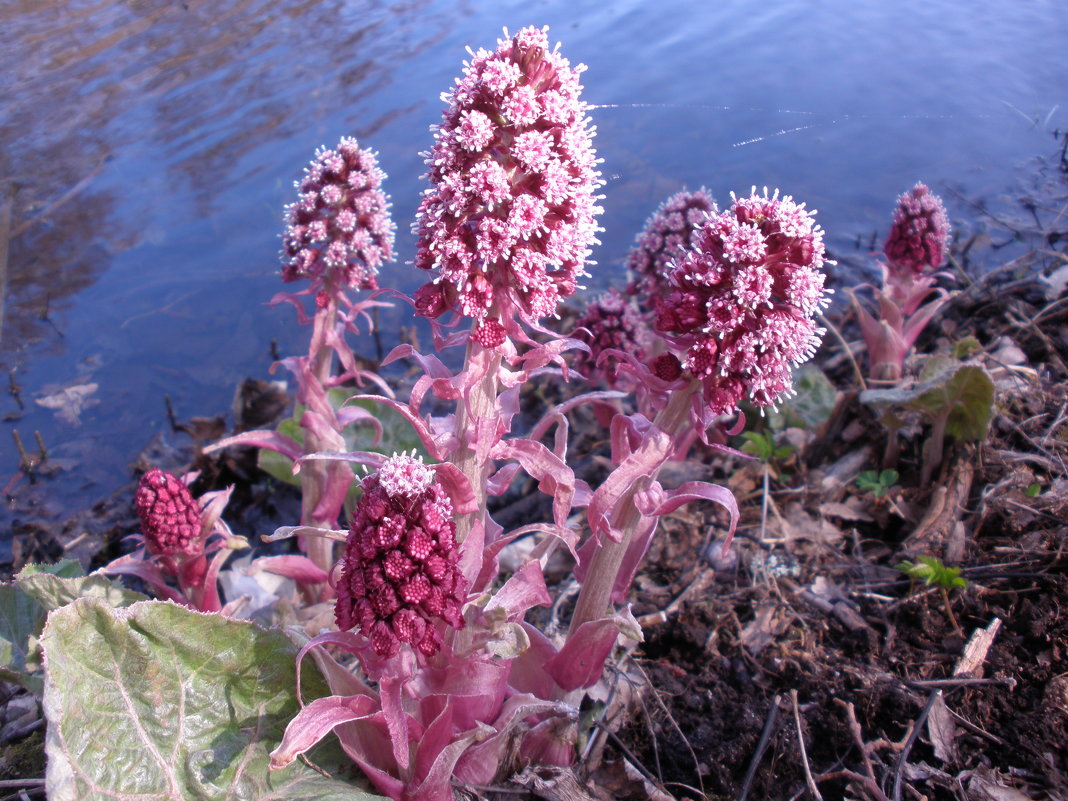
<point x="151" y="146"/>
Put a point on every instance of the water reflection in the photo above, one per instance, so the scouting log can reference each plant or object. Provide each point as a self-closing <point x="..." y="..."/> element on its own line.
<point x="151" y="145"/>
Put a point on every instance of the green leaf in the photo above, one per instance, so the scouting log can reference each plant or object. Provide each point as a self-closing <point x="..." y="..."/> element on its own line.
<point x="1033" y="490"/>
<point x="961" y="393"/>
<point x="66" y="568"/>
<point x="966" y="348"/>
<point x="26" y="602"/>
<point x="161" y="703"/>
<point x="758" y="444"/>
<point x="812" y="405"/>
<point x="931" y="571"/>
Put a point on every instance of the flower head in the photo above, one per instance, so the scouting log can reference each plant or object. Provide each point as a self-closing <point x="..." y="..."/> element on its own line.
<point x="742" y="300"/>
<point x="170" y="516"/>
<point x="511" y="213"/>
<point x="668" y="234"/>
<point x="399" y="577"/>
<point x="613" y="323"/>
<point x="340" y="228"/>
<point x="918" y="234"/>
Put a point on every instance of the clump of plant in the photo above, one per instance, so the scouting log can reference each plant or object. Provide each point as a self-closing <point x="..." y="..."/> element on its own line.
<point x="932" y="572"/>
<point x="908" y="298"/>
<point x="433" y="676"/>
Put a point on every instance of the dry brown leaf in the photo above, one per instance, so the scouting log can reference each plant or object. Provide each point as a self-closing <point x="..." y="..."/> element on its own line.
<point x="942" y="730"/>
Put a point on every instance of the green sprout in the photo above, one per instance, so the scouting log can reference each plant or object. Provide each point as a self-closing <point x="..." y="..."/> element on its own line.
<point x="878" y="484"/>
<point x="761" y="444"/>
<point x="932" y="572"/>
<point x="1033" y="490"/>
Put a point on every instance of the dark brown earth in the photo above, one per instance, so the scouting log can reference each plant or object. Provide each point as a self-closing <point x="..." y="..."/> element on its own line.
<point x="802" y="663"/>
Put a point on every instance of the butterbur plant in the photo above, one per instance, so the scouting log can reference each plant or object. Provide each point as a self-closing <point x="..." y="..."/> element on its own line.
<point x="915" y="250"/>
<point x="450" y="683"/>
<point x="338" y="234"/>
<point x="183" y="541"/>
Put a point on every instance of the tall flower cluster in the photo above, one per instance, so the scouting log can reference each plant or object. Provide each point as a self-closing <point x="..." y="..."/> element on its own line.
<point x="511" y="213"/>
<point x="170" y="516"/>
<point x="339" y="229"/>
<point x="399" y="577"/>
<point x="667" y="235"/>
<point x="919" y="233"/>
<point x="613" y="323"/>
<point x="742" y="300"/>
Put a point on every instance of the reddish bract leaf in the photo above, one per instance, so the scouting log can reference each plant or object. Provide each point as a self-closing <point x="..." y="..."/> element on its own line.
<point x="317" y="720"/>
<point x="581" y="661"/>
<point x="271" y="440"/>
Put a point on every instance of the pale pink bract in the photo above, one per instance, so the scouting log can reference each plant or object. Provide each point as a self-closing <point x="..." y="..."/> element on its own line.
<point x="340" y="229"/>
<point x="510" y="217"/>
<point x="742" y="300"/>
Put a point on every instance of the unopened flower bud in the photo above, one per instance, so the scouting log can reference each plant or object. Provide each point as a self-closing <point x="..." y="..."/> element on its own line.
<point x="919" y="233"/>
<point x="399" y="578"/>
<point x="170" y="516"/>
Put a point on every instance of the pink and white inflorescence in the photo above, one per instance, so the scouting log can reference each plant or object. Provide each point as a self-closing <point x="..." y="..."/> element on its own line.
<point x="510" y="217"/>
<point x="918" y="234"/>
<point x="399" y="577"/>
<point x="170" y="516"/>
<point x="613" y="323"/>
<point x="340" y="229"/>
<point x="740" y="310"/>
<point x="668" y="234"/>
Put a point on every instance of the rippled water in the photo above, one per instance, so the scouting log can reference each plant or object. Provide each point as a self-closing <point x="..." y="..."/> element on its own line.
<point x="147" y="149"/>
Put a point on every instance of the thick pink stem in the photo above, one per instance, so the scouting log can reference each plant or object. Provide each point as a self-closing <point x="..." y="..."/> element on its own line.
<point x="478" y="428"/>
<point x="595" y="597"/>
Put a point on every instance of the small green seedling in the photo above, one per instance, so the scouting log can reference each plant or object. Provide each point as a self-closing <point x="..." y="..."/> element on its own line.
<point x="932" y="572"/>
<point x="1033" y="490"/>
<point x="878" y="484"/>
<point x="761" y="444"/>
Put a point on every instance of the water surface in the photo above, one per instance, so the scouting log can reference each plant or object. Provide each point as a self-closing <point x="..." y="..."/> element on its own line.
<point x="151" y="145"/>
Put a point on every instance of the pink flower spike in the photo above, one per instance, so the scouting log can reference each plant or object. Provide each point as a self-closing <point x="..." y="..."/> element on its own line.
<point x="339" y="230"/>
<point x="918" y="235"/>
<point x="668" y="234"/>
<point x="510" y="217"/>
<point x="614" y="324"/>
<point x="399" y="578"/>
<point x="741" y="303"/>
<point x="170" y="516"/>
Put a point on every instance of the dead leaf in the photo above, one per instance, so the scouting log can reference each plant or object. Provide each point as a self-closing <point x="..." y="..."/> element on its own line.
<point x="851" y="511"/>
<point x="69" y="402"/>
<point x="797" y="524"/>
<point x="942" y="730"/>
<point x="759" y="632"/>
<point x="988" y="785"/>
